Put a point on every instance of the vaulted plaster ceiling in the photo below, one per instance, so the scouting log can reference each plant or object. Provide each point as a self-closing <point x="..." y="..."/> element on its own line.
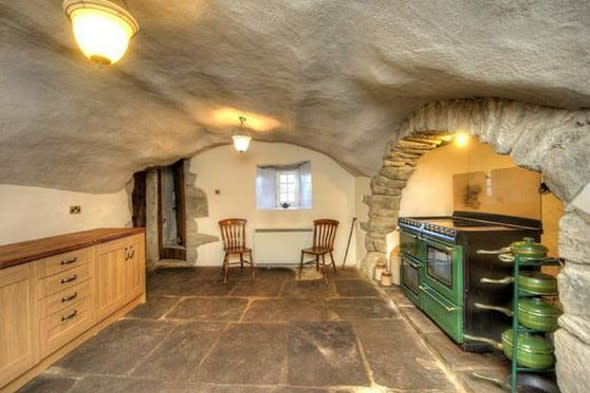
<point x="336" y="76"/>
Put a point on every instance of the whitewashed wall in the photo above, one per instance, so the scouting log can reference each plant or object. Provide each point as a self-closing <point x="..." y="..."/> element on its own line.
<point x="32" y="212"/>
<point x="233" y="174"/>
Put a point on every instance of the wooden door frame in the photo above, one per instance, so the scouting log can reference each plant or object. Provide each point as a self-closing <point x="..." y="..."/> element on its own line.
<point x="166" y="252"/>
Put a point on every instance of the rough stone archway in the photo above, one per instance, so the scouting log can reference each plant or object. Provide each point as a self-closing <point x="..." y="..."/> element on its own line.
<point x="553" y="141"/>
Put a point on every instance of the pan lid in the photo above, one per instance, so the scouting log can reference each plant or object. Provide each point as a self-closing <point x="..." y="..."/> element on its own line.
<point x="538" y="307"/>
<point x="530" y="343"/>
<point x="528" y="246"/>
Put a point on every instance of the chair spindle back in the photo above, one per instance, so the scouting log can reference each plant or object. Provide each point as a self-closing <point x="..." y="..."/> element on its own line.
<point x="324" y="233"/>
<point x="233" y="233"/>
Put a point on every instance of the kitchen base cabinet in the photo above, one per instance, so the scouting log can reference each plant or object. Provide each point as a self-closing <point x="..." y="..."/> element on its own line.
<point x="52" y="302"/>
<point x="120" y="273"/>
<point x="18" y="347"/>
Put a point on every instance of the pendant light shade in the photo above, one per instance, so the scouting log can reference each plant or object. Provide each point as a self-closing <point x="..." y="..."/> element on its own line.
<point x="241" y="137"/>
<point x="102" y="29"/>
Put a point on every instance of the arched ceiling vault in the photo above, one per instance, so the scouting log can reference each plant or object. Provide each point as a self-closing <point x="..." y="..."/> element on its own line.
<point x="336" y="76"/>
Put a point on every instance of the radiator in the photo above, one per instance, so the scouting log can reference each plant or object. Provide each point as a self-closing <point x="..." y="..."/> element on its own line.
<point x="280" y="246"/>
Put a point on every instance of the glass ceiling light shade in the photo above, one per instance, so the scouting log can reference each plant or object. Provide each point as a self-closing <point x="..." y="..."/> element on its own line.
<point x="241" y="137"/>
<point x="102" y="29"/>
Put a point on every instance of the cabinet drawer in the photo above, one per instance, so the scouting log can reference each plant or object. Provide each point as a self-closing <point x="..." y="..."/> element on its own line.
<point x="62" y="262"/>
<point x="63" y="280"/>
<point x="60" y="328"/>
<point x="64" y="299"/>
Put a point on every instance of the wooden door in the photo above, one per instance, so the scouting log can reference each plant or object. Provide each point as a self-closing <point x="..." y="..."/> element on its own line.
<point x="18" y="322"/>
<point x="177" y="251"/>
<point x="135" y="268"/>
<point x="111" y="277"/>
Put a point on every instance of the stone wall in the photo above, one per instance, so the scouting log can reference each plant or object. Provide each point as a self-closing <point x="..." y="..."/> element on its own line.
<point x="196" y="207"/>
<point x="553" y="141"/>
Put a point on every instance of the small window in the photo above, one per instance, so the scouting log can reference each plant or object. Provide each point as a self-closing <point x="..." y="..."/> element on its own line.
<point x="284" y="186"/>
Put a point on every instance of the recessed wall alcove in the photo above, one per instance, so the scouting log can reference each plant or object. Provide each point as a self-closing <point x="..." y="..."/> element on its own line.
<point x="555" y="142"/>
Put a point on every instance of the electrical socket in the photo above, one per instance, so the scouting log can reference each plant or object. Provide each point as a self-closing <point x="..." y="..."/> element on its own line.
<point x="77" y="209"/>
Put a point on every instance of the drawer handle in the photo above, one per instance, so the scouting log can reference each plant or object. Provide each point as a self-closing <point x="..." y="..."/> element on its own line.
<point x="446" y="307"/>
<point x="69" y="316"/>
<point x="132" y="253"/>
<point x="68" y="261"/>
<point x="73" y="277"/>
<point x="66" y="299"/>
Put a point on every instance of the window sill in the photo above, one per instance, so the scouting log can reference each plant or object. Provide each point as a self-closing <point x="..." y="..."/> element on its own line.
<point x="283" y="209"/>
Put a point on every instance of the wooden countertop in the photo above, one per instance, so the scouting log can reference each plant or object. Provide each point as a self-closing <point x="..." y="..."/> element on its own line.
<point x="18" y="253"/>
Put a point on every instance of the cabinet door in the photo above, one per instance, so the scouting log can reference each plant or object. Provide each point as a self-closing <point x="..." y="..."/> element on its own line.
<point x="110" y="278"/>
<point x="18" y="325"/>
<point x="135" y="268"/>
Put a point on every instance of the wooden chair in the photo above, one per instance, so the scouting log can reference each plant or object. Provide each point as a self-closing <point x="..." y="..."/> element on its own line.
<point x="233" y="233"/>
<point x="324" y="233"/>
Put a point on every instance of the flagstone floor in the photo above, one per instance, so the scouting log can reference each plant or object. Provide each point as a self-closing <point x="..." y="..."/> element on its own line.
<point x="273" y="334"/>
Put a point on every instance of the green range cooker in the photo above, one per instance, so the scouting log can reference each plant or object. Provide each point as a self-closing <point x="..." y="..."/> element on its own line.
<point x="441" y="270"/>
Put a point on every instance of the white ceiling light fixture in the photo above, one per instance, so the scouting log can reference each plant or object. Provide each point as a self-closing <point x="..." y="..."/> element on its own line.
<point x="102" y="28"/>
<point x="241" y="137"/>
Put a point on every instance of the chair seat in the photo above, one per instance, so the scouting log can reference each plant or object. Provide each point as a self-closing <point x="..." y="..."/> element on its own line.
<point x="238" y="250"/>
<point x="317" y="250"/>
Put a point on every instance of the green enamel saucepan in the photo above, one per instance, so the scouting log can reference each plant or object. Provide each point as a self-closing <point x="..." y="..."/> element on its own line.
<point x="533" y="282"/>
<point x="533" y="351"/>
<point x="526" y="247"/>
<point x="533" y="313"/>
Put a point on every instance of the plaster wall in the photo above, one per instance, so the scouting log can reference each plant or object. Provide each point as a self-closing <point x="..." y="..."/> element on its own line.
<point x="234" y="174"/>
<point x="32" y="212"/>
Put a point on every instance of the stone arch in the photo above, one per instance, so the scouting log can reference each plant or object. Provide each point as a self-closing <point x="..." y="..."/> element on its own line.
<point x="553" y="141"/>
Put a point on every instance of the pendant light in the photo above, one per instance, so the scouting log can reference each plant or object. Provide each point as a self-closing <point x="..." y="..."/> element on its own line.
<point x="102" y="28"/>
<point x="241" y="137"/>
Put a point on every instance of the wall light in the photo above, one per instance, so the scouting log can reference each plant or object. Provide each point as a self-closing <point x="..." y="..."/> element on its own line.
<point x="102" y="29"/>
<point x="461" y="139"/>
<point x="241" y="137"/>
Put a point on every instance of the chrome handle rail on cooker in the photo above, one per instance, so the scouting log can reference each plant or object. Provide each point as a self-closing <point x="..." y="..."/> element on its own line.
<point x="446" y="307"/>
<point x="500" y="281"/>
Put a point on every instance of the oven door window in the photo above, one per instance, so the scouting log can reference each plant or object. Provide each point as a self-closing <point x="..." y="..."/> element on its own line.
<point x="411" y="276"/>
<point x="440" y="266"/>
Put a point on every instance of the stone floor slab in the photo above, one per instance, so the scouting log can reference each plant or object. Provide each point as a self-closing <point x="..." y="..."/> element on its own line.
<point x="356" y="288"/>
<point x="420" y="321"/>
<point x="257" y="288"/>
<point x="283" y="310"/>
<point x="400" y="300"/>
<point x="247" y="353"/>
<point x="209" y="309"/>
<point x="119" y="348"/>
<point x="180" y="354"/>
<point x="324" y="354"/>
<point x="154" y="308"/>
<point x="397" y="359"/>
<point x="308" y="289"/>
<point x="361" y="308"/>
<point x="112" y="384"/>
<point x="48" y="384"/>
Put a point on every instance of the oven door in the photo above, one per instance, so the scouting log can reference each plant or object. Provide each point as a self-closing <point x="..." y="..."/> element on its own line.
<point x="410" y="244"/>
<point x="443" y="270"/>
<point x="411" y="271"/>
